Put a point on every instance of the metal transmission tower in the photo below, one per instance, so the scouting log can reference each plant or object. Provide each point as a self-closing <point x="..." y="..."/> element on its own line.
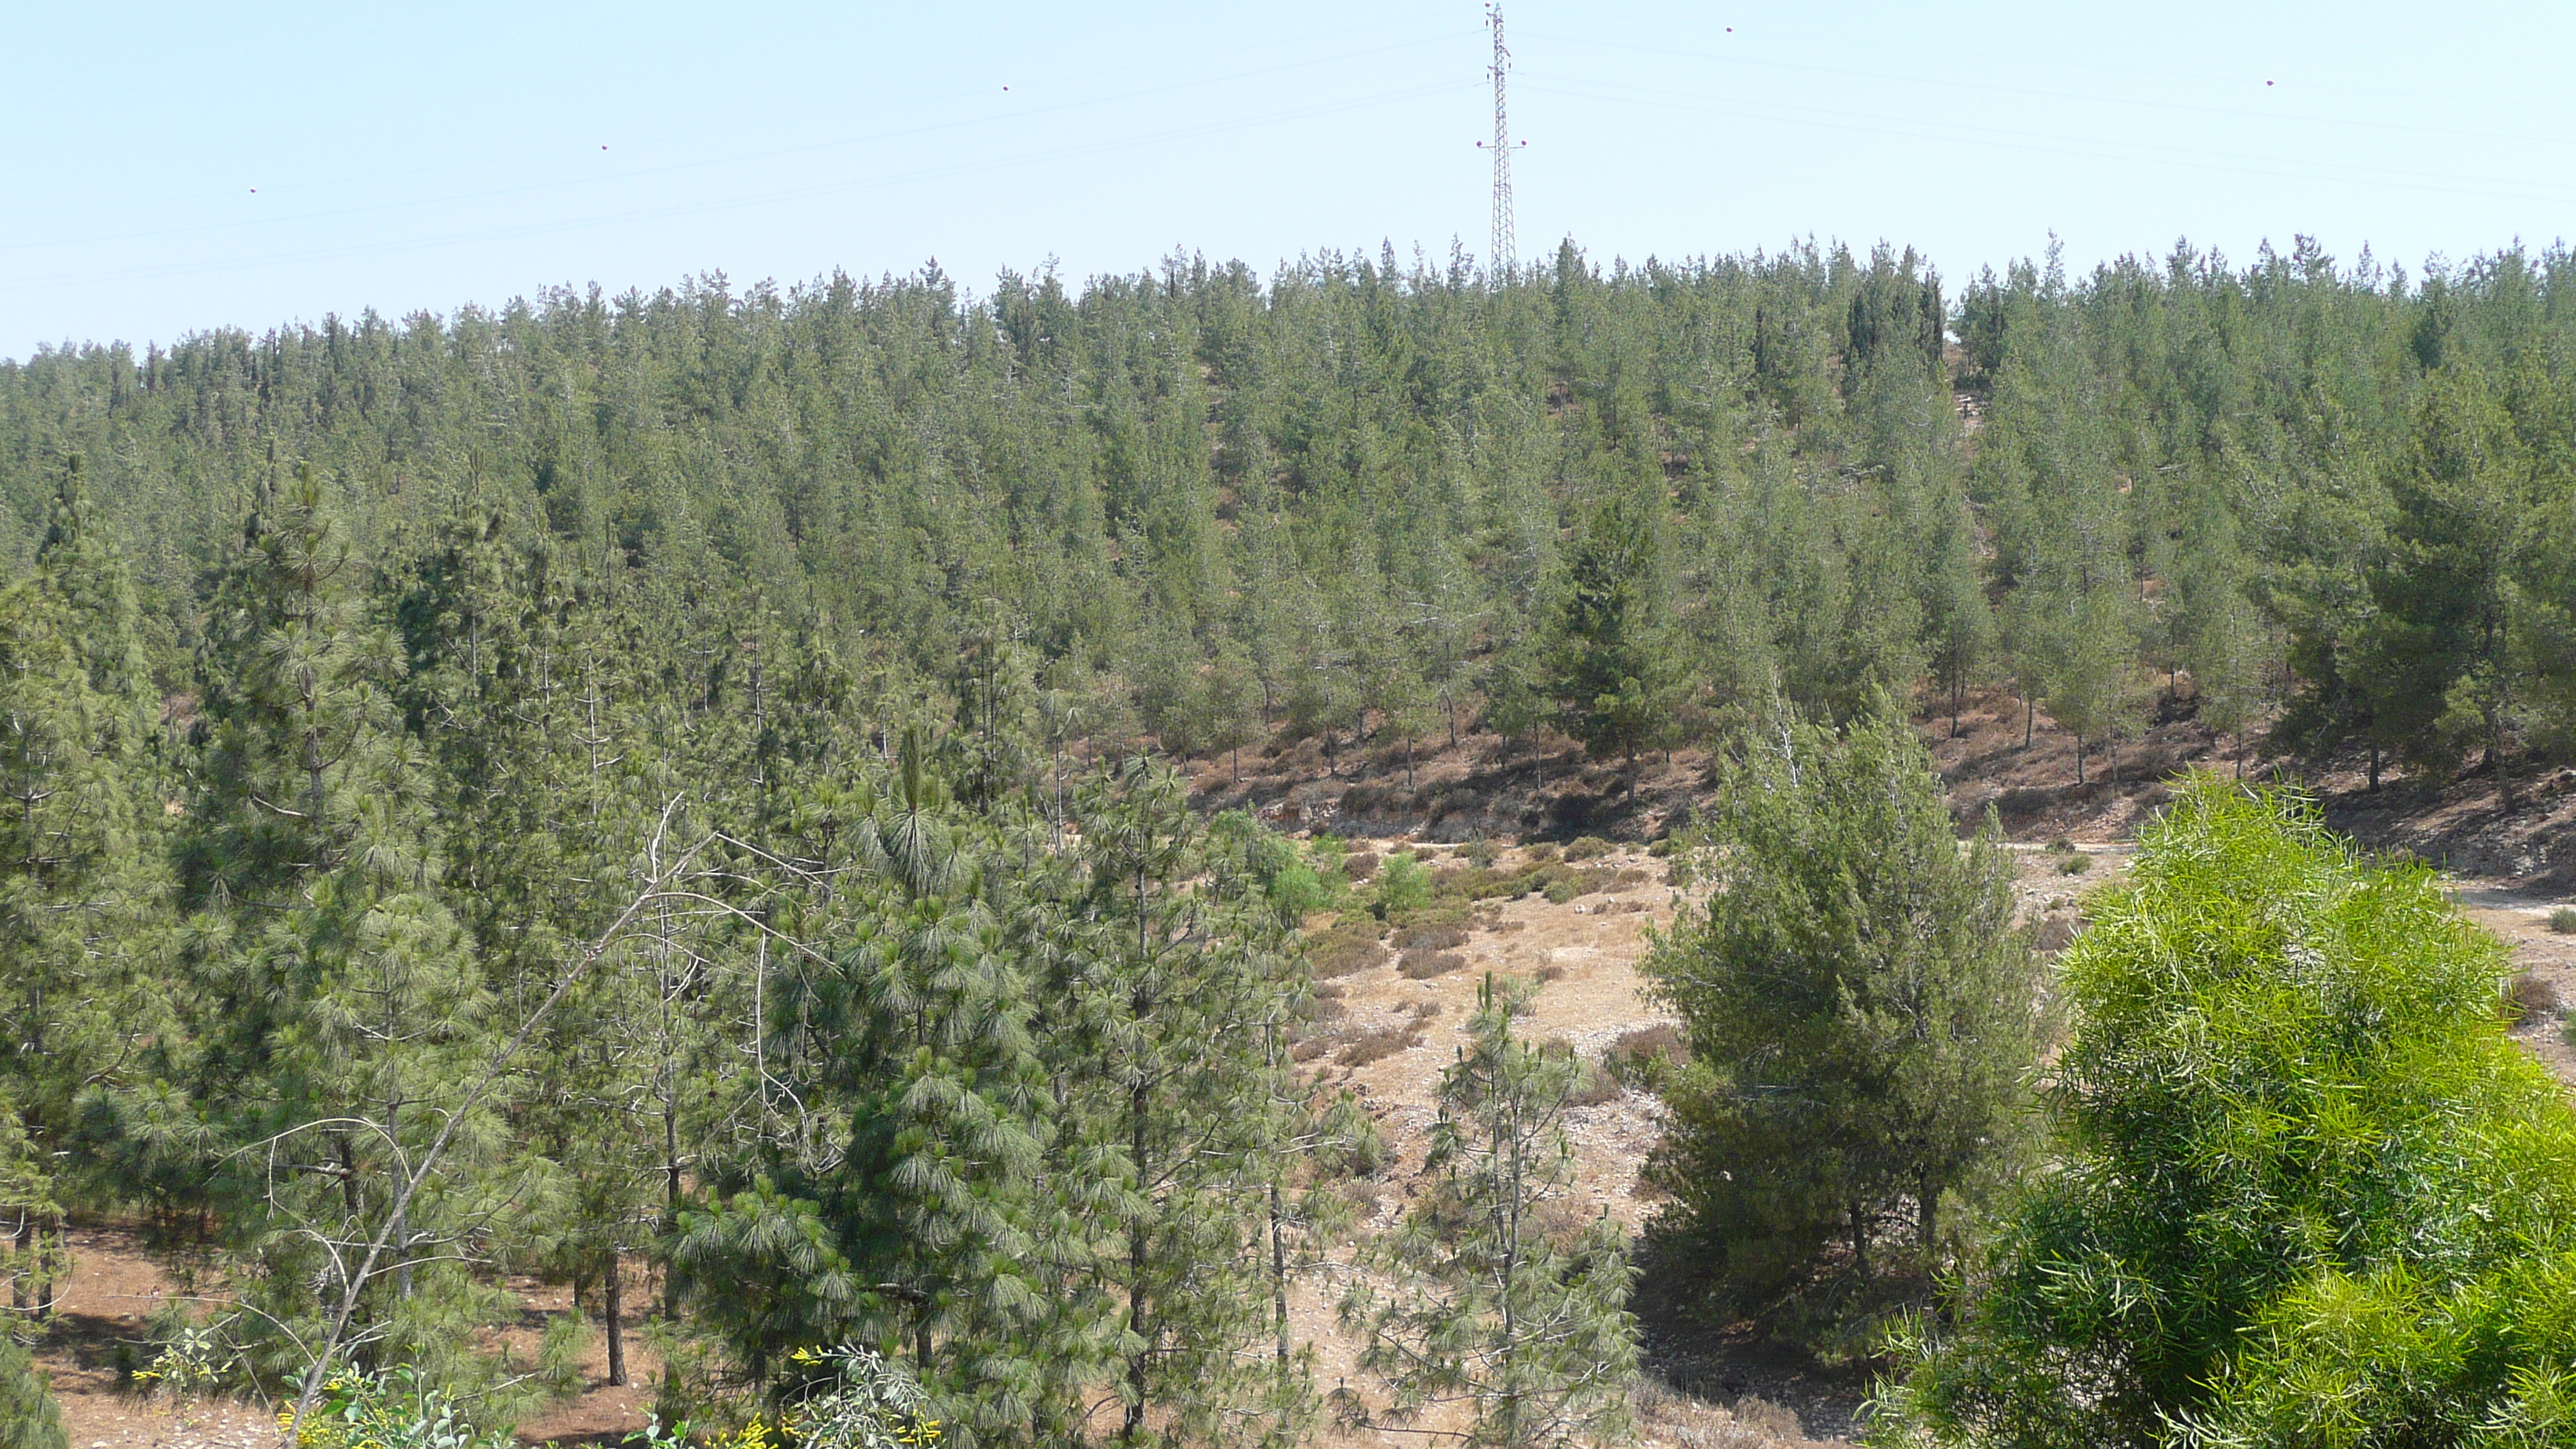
<point x="1503" y="261"/>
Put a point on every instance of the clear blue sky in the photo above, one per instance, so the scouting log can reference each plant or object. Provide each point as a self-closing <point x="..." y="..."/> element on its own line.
<point x="423" y="156"/>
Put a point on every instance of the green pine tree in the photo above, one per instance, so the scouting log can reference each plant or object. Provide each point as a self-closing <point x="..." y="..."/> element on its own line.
<point x="1612" y="664"/>
<point x="29" y="1417"/>
<point x="1861" y="1011"/>
<point x="1519" y="1321"/>
<point x="1172" y="988"/>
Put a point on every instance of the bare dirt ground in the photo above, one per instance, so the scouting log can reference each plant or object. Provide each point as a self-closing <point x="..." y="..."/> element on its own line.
<point x="115" y="1286"/>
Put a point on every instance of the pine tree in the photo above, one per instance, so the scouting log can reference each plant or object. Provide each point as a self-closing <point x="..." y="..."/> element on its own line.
<point x="1612" y="665"/>
<point x="1860" y="1010"/>
<point x="1172" y="988"/>
<point x="341" y="1006"/>
<point x="1959" y="622"/>
<point x="929" y="1228"/>
<point x="2438" y="661"/>
<point x="29" y="1417"/>
<point x="82" y="883"/>
<point x="1232" y="700"/>
<point x="1519" y="1320"/>
<point x="2222" y="638"/>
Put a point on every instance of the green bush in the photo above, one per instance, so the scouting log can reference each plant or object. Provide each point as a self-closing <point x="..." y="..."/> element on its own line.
<point x="2308" y="1191"/>
<point x="2074" y="862"/>
<point x="1402" y="885"/>
<point x="1589" y="847"/>
<point x="1299" y="890"/>
<point x="2563" y="921"/>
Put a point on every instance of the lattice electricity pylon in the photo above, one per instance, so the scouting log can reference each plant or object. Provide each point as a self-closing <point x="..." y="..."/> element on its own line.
<point x="1503" y="261"/>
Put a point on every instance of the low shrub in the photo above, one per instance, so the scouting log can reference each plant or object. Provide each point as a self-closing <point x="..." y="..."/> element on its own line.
<point x="1402" y="885"/>
<point x="1360" y="864"/>
<point x="1349" y="944"/>
<point x="1638" y="1057"/>
<point x="2074" y="863"/>
<point x="1574" y="884"/>
<point x="2529" y="996"/>
<point x="1298" y="891"/>
<point x="1423" y="965"/>
<point x="2562" y="921"/>
<point x="1416" y="935"/>
<point x="1374" y="1046"/>
<point x="1589" y="847"/>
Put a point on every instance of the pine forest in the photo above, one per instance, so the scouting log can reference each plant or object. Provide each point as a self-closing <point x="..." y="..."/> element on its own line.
<point x="846" y="832"/>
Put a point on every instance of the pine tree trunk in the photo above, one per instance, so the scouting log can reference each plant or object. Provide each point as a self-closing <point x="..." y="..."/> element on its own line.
<point x="2374" y="767"/>
<point x="2495" y="757"/>
<point x="612" y="1303"/>
<point x="2029" y="719"/>
<point x="1279" y="1275"/>
<point x="52" y="1267"/>
<point x="1927" y="1197"/>
<point x="1137" y="1249"/>
<point x="401" y="1239"/>
<point x="2079" y="759"/>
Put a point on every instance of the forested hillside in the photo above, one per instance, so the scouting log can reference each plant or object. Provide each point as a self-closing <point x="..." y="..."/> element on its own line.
<point x="682" y="781"/>
<point x="1341" y="499"/>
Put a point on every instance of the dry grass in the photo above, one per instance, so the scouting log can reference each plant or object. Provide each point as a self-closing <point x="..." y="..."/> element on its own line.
<point x="1667" y="1416"/>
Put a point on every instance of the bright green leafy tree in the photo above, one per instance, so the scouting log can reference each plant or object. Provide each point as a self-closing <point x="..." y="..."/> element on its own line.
<point x="2307" y="1190"/>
